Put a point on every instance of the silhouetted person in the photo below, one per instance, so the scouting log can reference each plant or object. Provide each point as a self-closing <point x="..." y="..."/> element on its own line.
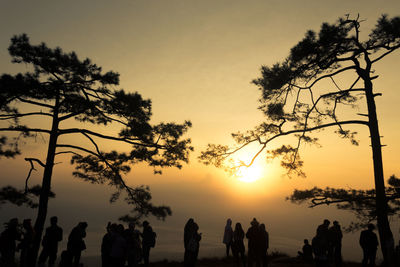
<point x="148" y="241"/>
<point x="193" y="245"/>
<point x="306" y="253"/>
<point x="52" y="236"/>
<point x="106" y="244"/>
<point x="397" y="254"/>
<point x="253" y="236"/>
<point x="26" y="242"/>
<point x="320" y="251"/>
<point x="335" y="243"/>
<point x="238" y="248"/>
<point x="8" y="246"/>
<point x="264" y="245"/>
<point x="134" y="248"/>
<point x="369" y="245"/>
<point x="228" y="236"/>
<point x="76" y="244"/>
<point x="323" y="230"/>
<point x="187" y="235"/>
<point x="320" y="244"/>
<point x="118" y="247"/>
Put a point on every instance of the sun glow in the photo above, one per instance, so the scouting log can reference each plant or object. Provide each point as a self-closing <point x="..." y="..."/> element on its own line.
<point x="250" y="174"/>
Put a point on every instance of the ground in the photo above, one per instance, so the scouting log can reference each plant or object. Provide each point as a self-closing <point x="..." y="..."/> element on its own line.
<point x="281" y="261"/>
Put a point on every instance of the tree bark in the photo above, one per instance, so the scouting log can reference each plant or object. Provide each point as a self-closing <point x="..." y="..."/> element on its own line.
<point x="46" y="186"/>
<point x="385" y="233"/>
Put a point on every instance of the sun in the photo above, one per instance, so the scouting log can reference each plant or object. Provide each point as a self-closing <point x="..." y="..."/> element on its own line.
<point x="250" y="174"/>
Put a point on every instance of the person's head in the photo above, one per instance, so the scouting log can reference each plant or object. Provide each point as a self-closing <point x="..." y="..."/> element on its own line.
<point x="145" y="224"/>
<point x="262" y="227"/>
<point x="12" y="224"/>
<point x="306" y="241"/>
<point x="335" y="223"/>
<point x="108" y="226"/>
<point x="27" y="224"/>
<point x="238" y="227"/>
<point x="189" y="225"/>
<point x="229" y="222"/>
<point x="120" y="228"/>
<point x="53" y="220"/>
<point x="131" y="226"/>
<point x="254" y="222"/>
<point x="371" y="227"/>
<point x="326" y="222"/>
<point x="113" y="228"/>
<point x="83" y="225"/>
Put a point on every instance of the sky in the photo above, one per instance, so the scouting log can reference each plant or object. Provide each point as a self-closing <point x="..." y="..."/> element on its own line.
<point x="195" y="60"/>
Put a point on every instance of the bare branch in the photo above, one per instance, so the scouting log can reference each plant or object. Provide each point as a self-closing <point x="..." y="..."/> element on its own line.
<point x="14" y="116"/>
<point x="76" y="147"/>
<point x="24" y="129"/>
<point x="392" y="49"/>
<point x="31" y="160"/>
<point x="121" y="139"/>
<point x="35" y="103"/>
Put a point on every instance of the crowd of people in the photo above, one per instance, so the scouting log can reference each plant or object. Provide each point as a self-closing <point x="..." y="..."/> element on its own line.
<point x="130" y="246"/>
<point x="326" y="246"/>
<point x="258" y="243"/>
<point x="53" y="235"/>
<point x="120" y="246"/>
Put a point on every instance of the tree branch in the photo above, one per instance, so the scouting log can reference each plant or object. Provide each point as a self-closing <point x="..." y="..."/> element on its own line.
<point x="31" y="160"/>
<point x="75" y="147"/>
<point x="126" y="140"/>
<point x="385" y="54"/>
<point x="35" y="103"/>
<point x="8" y="116"/>
<point x="24" y="129"/>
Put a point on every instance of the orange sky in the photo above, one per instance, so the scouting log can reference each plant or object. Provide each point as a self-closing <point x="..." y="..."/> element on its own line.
<point x="195" y="60"/>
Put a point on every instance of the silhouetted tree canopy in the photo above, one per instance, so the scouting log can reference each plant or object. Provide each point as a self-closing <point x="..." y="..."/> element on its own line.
<point x="326" y="75"/>
<point x="360" y="202"/>
<point x="294" y="102"/>
<point x="28" y="198"/>
<point x="78" y="109"/>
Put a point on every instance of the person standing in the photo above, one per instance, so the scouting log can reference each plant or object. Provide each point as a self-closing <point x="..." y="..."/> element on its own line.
<point x="369" y="244"/>
<point x="320" y="244"/>
<point x="76" y="244"/>
<point x="26" y="242"/>
<point x="264" y="245"/>
<point x="323" y="230"/>
<point x="132" y="237"/>
<point x="148" y="241"/>
<point x="193" y="246"/>
<point x="253" y="236"/>
<point x="238" y="248"/>
<point x="52" y="236"/>
<point x="187" y="235"/>
<point x="8" y="243"/>
<point x="228" y="236"/>
<point x="335" y="243"/>
<point x="106" y="244"/>
<point x="118" y="247"/>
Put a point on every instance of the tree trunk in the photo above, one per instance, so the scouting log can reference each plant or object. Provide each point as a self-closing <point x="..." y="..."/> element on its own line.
<point x="385" y="234"/>
<point x="46" y="186"/>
